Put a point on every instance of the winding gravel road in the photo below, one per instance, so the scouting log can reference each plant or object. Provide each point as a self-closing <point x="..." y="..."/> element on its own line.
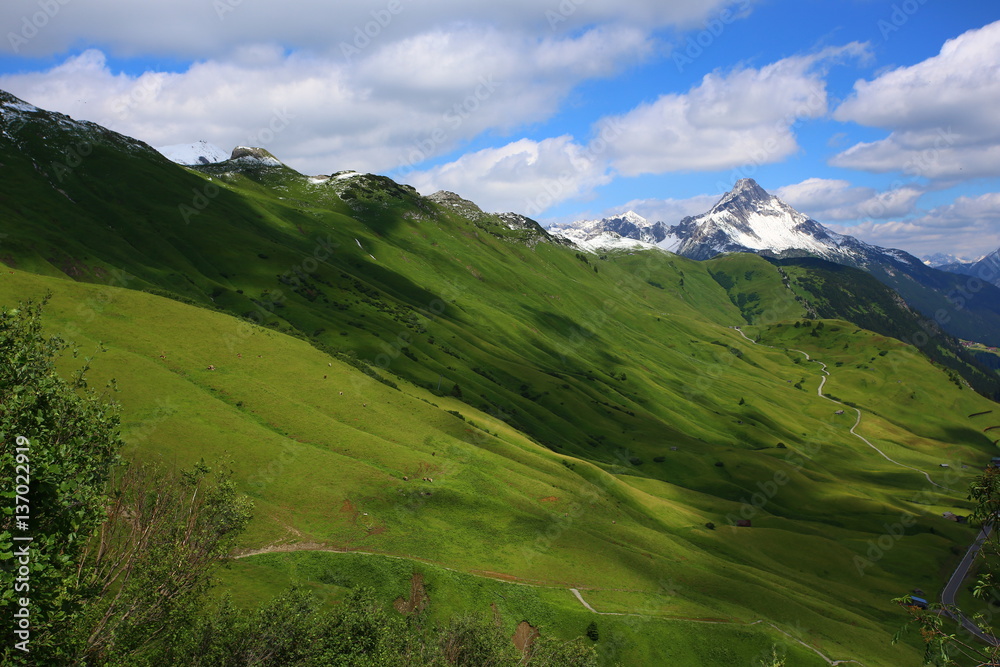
<point x="857" y="422"/>
<point x="950" y="592"/>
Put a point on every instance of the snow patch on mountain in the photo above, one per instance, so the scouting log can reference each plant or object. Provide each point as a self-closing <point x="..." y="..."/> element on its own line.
<point x="616" y="231"/>
<point x="200" y="152"/>
<point x="253" y="156"/>
<point x="603" y="241"/>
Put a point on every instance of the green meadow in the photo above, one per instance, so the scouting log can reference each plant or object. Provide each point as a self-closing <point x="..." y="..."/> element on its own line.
<point x="405" y="389"/>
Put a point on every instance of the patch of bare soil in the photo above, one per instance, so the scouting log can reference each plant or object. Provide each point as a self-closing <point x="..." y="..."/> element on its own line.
<point x="418" y="597"/>
<point x="523" y="637"/>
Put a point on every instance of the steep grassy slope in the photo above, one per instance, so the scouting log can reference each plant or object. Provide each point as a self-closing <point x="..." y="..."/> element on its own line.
<point x="772" y="290"/>
<point x="582" y="419"/>
<point x="328" y="469"/>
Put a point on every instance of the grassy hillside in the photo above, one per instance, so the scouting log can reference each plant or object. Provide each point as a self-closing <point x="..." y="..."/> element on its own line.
<point x="582" y="419"/>
<point x="327" y="469"/>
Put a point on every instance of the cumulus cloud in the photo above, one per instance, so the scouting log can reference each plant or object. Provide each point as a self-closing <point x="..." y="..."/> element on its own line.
<point x="746" y="116"/>
<point x="967" y="227"/>
<point x="214" y="28"/>
<point x="832" y="199"/>
<point x="524" y="176"/>
<point x="941" y="113"/>
<point x="406" y="102"/>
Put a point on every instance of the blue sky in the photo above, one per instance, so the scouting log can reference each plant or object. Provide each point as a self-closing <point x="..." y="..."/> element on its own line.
<point x="877" y="118"/>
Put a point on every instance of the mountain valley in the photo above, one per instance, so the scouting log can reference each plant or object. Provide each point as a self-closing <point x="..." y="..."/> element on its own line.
<point x="710" y="439"/>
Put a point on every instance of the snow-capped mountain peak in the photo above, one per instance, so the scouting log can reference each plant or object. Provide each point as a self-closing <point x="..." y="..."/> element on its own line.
<point x="745" y="219"/>
<point x="634" y="218"/>
<point x="744" y="191"/>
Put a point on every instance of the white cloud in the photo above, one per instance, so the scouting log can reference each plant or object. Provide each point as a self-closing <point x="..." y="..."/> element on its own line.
<point x="214" y="28"/>
<point x="405" y="102"/>
<point x="970" y="226"/>
<point x="746" y="116"/>
<point x="743" y="117"/>
<point x="524" y="176"/>
<point x="830" y="199"/>
<point x="941" y="113"/>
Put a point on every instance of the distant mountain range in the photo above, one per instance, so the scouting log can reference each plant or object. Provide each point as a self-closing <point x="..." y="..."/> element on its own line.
<point x="749" y="219"/>
<point x="986" y="268"/>
<point x="939" y="259"/>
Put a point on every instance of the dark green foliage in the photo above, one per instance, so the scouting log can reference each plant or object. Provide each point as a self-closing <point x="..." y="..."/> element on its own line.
<point x="74" y="445"/>
<point x="592" y="633"/>
<point x="147" y="578"/>
<point x="293" y="629"/>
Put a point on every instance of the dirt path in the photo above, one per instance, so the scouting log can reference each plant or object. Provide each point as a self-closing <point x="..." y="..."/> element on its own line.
<point x="815" y="650"/>
<point x="509" y="579"/>
<point x="857" y="422"/>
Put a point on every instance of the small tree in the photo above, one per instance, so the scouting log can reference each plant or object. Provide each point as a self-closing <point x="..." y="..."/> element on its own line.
<point x="774" y="660"/>
<point x="592" y="633"/>
<point x="148" y="571"/>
